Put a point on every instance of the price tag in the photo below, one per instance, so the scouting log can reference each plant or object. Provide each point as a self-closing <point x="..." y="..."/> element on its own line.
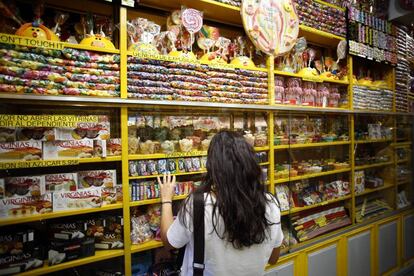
<point x="37" y="164"/>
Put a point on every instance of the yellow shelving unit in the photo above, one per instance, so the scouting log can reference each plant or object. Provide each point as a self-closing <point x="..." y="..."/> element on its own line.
<point x="58" y="214"/>
<point x="222" y="13"/>
<point x="99" y="256"/>
<point x="310" y="175"/>
<point x="311" y="145"/>
<point x="364" y="167"/>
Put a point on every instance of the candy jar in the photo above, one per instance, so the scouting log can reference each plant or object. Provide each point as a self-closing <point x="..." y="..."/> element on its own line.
<point x="279" y="90"/>
<point x="322" y="95"/>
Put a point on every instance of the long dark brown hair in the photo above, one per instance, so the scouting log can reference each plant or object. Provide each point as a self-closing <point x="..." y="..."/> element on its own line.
<point x="234" y="177"/>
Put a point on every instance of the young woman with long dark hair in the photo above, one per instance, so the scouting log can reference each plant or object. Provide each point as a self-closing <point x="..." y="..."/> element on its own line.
<point x="242" y="221"/>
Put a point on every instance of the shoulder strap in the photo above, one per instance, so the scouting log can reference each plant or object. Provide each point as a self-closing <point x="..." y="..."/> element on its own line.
<point x="198" y="226"/>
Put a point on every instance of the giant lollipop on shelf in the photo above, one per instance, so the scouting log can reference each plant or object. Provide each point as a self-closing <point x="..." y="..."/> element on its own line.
<point x="207" y="38"/>
<point x="272" y="25"/>
<point x="242" y="60"/>
<point x="192" y="21"/>
<point x="341" y="50"/>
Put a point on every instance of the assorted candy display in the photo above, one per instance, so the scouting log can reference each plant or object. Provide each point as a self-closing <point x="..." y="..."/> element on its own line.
<point x="318" y="221"/>
<point x="294" y="91"/>
<point x="403" y="172"/>
<point x="30" y="195"/>
<point x="321" y="17"/>
<point x="145" y="224"/>
<point x="29" y="247"/>
<point x="58" y="72"/>
<point x="371" y="37"/>
<point x="402" y="200"/>
<point x="370" y="155"/>
<point x="369" y="98"/>
<point x="162" y="80"/>
<point x="370" y="206"/>
<point x="161" y="166"/>
<point x="283" y="171"/>
<point x="405" y="48"/>
<point x="367" y="180"/>
<point x="304" y="193"/>
<point x="149" y="134"/>
<point x="310" y="129"/>
<point x="85" y="139"/>
<point x="372" y="132"/>
<point x="143" y="190"/>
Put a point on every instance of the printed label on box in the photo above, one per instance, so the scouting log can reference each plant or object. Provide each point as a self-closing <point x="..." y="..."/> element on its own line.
<point x="25" y="150"/>
<point x="98" y="178"/>
<point x="25" y="186"/>
<point x="84" y="199"/>
<point x="68" y="149"/>
<point x="94" y="131"/>
<point x="61" y="182"/>
<point x="35" y="133"/>
<point x="25" y="206"/>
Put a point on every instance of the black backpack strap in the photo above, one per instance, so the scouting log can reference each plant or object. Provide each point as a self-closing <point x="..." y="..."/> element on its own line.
<point x="198" y="226"/>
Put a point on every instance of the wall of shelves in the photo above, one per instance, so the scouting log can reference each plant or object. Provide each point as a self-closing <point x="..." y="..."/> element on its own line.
<point x="230" y="15"/>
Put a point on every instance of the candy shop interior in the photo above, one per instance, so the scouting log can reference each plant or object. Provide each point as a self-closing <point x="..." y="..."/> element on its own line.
<point x="99" y="97"/>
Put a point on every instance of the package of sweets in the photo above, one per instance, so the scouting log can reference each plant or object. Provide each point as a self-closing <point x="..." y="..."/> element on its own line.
<point x="24" y="186"/>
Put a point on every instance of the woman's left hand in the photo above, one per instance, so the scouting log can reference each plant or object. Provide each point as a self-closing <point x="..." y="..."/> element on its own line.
<point x="167" y="187"/>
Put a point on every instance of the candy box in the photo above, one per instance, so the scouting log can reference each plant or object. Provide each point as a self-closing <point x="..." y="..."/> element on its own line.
<point x="24" y="186"/>
<point x="24" y="150"/>
<point x="35" y="133"/>
<point x="18" y="252"/>
<point x="61" y="182"/>
<point x="71" y="230"/>
<point x="97" y="178"/>
<point x="63" y="251"/>
<point x="107" y="232"/>
<point x="25" y="206"/>
<point x="68" y="149"/>
<point x="7" y="134"/>
<point x="84" y="199"/>
<point x="111" y="147"/>
<point x="89" y="130"/>
<point x="111" y="195"/>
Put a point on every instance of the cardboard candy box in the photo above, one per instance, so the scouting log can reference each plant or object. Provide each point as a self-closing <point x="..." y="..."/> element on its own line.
<point x="111" y="147"/>
<point x="24" y="186"/>
<point x="18" y="252"/>
<point x="23" y="150"/>
<point x="35" y="133"/>
<point x="61" y="182"/>
<point x="64" y="251"/>
<point x="68" y="149"/>
<point x="107" y="232"/>
<point x="25" y="206"/>
<point x="97" y="178"/>
<point x="89" y="130"/>
<point x="83" y="199"/>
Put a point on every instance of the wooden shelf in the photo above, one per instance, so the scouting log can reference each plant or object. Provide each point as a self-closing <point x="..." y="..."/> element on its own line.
<point x="55" y="163"/>
<point x="58" y="214"/>
<point x="146" y="246"/>
<point x="403" y="161"/>
<point x="372" y="141"/>
<point x="368" y="191"/>
<point x="313" y="175"/>
<point x="154" y="201"/>
<point x="99" y="256"/>
<point x="363" y="167"/>
<point x="311" y="145"/>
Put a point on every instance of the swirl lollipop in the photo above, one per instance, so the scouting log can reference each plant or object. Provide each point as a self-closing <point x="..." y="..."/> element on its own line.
<point x="192" y="20"/>
<point x="341" y="50"/>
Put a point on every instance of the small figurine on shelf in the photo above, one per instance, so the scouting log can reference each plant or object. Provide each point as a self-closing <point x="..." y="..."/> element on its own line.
<point x="36" y="29"/>
<point x="95" y="40"/>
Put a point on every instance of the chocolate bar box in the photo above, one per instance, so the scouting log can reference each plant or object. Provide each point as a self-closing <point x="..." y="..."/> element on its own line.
<point x="19" y="252"/>
<point x="107" y="231"/>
